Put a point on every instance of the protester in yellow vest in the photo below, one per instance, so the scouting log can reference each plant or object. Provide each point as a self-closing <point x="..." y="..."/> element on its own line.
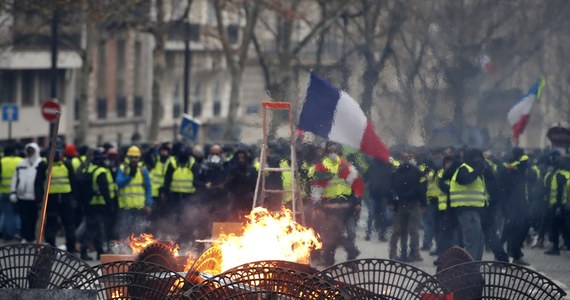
<point x="336" y="192"/>
<point x="8" y="165"/>
<point x="448" y="223"/>
<point x="557" y="187"/>
<point x="157" y="173"/>
<point x="135" y="194"/>
<point x="101" y="191"/>
<point x="60" y="205"/>
<point x="287" y="180"/>
<point x="180" y="191"/>
<point x="70" y="154"/>
<point x="468" y="195"/>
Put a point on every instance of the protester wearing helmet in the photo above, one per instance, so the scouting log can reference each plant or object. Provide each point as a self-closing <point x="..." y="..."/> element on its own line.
<point x="135" y="194"/>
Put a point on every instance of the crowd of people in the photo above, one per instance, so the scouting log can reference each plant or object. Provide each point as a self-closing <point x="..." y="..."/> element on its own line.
<point x="465" y="197"/>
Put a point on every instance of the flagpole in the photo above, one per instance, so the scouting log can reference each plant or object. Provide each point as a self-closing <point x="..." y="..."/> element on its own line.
<point x="48" y="181"/>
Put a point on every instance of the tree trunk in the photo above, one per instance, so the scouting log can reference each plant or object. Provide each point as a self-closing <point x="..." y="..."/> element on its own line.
<point x="158" y="67"/>
<point x="234" y="105"/>
<point x="83" y="84"/>
<point x="369" y="78"/>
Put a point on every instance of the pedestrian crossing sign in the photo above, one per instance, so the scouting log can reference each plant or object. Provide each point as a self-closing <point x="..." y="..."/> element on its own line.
<point x="189" y="128"/>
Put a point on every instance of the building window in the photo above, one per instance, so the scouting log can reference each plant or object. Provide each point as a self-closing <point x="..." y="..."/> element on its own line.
<point x="138" y="91"/>
<point x="101" y="70"/>
<point x="76" y="109"/>
<point x="7" y="94"/>
<point x="121" y="106"/>
<point x="121" y="77"/>
<point x="176" y="106"/>
<point x="197" y="101"/>
<point x="28" y="88"/>
<point x="102" y="108"/>
<point x="217" y="107"/>
<point x="233" y="33"/>
<point x="139" y="106"/>
<point x="252" y="109"/>
<point x="44" y="78"/>
<point x="196" y="109"/>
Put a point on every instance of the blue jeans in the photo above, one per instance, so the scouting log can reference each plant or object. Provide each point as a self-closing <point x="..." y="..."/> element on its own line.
<point x="10" y="220"/>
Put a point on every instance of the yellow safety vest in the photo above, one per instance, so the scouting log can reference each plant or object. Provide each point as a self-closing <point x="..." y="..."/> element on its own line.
<point x="536" y="171"/>
<point x="182" y="178"/>
<point x="395" y="163"/>
<point x="9" y="164"/>
<point x="433" y="190"/>
<point x="442" y="200"/>
<point x="287" y="180"/>
<point x="471" y="195"/>
<point x="59" y="179"/>
<point x="158" y="175"/>
<point x="337" y="186"/>
<point x="493" y="165"/>
<point x="97" y="198"/>
<point x="554" y="187"/>
<point x="133" y="194"/>
<point x="75" y="163"/>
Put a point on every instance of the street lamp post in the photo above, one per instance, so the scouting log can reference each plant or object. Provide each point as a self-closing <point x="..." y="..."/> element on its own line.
<point x="53" y="71"/>
<point x="187" y="66"/>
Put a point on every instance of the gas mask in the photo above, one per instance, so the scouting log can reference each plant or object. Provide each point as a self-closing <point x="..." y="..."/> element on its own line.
<point x="215" y="159"/>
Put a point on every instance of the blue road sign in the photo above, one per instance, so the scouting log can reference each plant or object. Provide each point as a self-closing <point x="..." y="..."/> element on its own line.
<point x="189" y="128"/>
<point x="10" y="112"/>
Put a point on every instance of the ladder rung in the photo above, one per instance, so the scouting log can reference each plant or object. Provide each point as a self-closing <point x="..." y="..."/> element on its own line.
<point x="276" y="105"/>
<point x="276" y="169"/>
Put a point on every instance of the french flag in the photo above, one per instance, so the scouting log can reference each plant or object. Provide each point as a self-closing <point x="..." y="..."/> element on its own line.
<point x="519" y="114"/>
<point x="332" y="114"/>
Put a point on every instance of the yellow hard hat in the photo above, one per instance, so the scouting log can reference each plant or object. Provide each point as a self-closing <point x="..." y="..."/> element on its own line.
<point x="134" y="151"/>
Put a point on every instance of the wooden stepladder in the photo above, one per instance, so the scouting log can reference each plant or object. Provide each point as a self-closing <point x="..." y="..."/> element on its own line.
<point x="264" y="169"/>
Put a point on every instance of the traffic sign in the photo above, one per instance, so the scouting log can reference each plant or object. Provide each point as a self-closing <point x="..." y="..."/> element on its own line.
<point x="50" y="108"/>
<point x="10" y="112"/>
<point x="189" y="128"/>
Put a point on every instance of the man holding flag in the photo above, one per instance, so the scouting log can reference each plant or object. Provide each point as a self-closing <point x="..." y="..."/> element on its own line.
<point x="519" y="115"/>
<point x="337" y="189"/>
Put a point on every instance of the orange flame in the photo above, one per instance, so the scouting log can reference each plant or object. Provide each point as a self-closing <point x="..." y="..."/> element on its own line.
<point x="116" y="294"/>
<point x="177" y="285"/>
<point x="269" y="236"/>
<point x="137" y="244"/>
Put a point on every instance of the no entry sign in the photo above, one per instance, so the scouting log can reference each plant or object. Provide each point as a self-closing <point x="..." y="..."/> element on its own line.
<point x="50" y="109"/>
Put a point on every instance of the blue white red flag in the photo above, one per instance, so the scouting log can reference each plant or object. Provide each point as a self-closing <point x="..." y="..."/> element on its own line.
<point x="519" y="115"/>
<point x="332" y="114"/>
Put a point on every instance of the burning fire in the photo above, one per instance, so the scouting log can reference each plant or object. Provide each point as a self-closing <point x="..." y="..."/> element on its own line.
<point x="116" y="294"/>
<point x="269" y="236"/>
<point x="137" y="244"/>
<point x="178" y="284"/>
